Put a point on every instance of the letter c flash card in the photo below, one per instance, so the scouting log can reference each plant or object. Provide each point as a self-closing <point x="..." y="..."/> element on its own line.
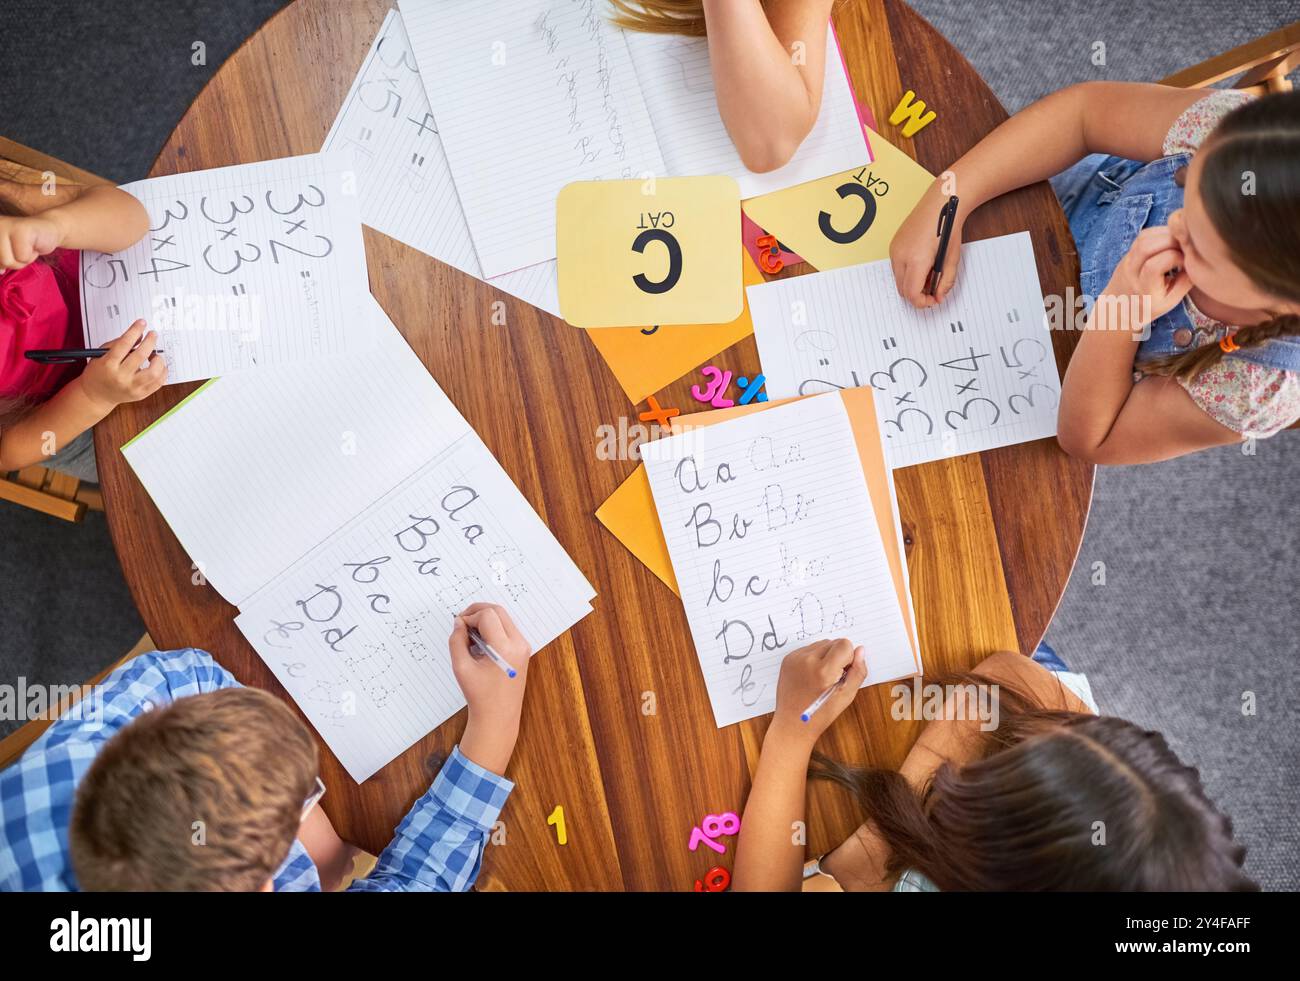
<point x="653" y="251"/>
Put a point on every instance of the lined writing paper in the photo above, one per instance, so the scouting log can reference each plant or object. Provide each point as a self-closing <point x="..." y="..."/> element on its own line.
<point x="769" y="525"/>
<point x="972" y="374"/>
<point x="312" y="447"/>
<point x="357" y="631"/>
<point x="404" y="183"/>
<point x="525" y="103"/>
<point x="677" y="82"/>
<point x="249" y="266"/>
<point x="352" y="480"/>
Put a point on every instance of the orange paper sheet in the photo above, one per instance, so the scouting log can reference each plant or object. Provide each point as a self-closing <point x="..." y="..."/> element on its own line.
<point x="644" y="363"/>
<point x="629" y="513"/>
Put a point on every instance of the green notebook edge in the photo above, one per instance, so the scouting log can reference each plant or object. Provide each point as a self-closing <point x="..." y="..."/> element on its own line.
<point x="170" y="412"/>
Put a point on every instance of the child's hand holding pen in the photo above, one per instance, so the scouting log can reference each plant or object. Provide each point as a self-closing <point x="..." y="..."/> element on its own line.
<point x="485" y="647"/>
<point x="816" y="684"/>
<point x="128" y="372"/>
<point x="920" y="245"/>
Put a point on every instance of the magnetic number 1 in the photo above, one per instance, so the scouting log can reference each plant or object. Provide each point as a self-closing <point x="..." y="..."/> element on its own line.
<point x="556" y="817"/>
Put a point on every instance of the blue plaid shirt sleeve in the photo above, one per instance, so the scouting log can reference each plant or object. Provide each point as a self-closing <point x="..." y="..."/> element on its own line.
<point x="439" y="844"/>
<point x="37" y="792"/>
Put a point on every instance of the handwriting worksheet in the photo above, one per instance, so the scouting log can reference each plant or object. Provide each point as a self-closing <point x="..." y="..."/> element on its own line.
<point x="317" y="445"/>
<point x="357" y="630"/>
<point x="974" y="373"/>
<point x="378" y="464"/>
<point x="243" y="267"/>
<point x="774" y="544"/>
<point x="404" y="182"/>
<point x="677" y="81"/>
<point x="527" y="102"/>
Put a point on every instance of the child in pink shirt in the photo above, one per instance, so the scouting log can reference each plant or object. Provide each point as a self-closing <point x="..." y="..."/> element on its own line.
<point x="47" y="411"/>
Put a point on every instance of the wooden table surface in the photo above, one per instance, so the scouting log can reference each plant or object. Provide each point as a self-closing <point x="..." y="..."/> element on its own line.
<point x="990" y="537"/>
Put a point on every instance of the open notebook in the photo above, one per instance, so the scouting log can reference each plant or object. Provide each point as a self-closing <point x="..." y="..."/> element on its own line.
<point x="555" y="93"/>
<point x="350" y="511"/>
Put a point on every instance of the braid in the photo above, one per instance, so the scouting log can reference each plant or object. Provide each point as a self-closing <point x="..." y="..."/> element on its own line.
<point x="1188" y="365"/>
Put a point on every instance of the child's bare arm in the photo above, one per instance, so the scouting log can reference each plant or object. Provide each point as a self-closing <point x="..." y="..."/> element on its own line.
<point x="331" y="854"/>
<point x="1125" y="119"/>
<point x="768" y="857"/>
<point x="102" y="217"/>
<point x="106" y="219"/>
<point x="128" y="372"/>
<point x="1105" y="417"/>
<point x="767" y="101"/>
<point x="49" y="427"/>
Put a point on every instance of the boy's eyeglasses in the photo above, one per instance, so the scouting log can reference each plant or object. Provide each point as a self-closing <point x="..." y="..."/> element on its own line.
<point x="315" y="796"/>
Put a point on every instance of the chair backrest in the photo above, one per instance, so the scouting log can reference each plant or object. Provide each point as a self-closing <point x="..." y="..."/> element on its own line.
<point x="31" y="165"/>
<point x="48" y="491"/>
<point x="15" y="744"/>
<point x="1265" y="61"/>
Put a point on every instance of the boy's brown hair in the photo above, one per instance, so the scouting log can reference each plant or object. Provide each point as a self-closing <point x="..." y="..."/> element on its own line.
<point x="205" y="794"/>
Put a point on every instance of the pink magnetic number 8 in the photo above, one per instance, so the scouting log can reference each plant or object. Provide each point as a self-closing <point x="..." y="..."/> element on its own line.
<point x="720" y="824"/>
<point x="698" y="837"/>
<point x="714" y="826"/>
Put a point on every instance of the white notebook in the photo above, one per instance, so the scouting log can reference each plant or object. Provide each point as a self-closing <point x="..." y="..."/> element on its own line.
<point x="275" y="481"/>
<point x="250" y="266"/>
<point x="404" y="183"/>
<point x="555" y="93"/>
<point x="356" y="631"/>
<point x="972" y="374"/>
<point x="677" y="81"/>
<point x="771" y="533"/>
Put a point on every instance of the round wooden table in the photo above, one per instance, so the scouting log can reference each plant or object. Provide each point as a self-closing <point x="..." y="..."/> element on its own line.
<point x="990" y="537"/>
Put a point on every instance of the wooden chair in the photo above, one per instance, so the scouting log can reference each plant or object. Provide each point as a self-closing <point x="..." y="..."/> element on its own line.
<point x="1266" y="62"/>
<point x="15" y="744"/>
<point x="47" y="491"/>
<point x="50" y="492"/>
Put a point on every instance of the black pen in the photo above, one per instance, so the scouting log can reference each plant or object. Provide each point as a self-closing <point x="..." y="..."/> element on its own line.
<point x="69" y="355"/>
<point x="947" y="217"/>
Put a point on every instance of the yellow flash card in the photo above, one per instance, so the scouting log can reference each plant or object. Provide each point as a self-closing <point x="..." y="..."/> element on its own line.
<point x="653" y="251"/>
<point x="847" y="218"/>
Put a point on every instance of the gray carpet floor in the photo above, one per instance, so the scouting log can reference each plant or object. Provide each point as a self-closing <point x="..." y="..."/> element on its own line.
<point x="1199" y="553"/>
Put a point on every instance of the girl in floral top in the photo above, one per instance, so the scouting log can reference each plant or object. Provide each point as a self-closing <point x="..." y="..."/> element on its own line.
<point x="1185" y="206"/>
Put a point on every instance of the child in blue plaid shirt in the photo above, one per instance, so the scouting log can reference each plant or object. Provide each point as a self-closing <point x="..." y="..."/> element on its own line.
<point x="172" y="776"/>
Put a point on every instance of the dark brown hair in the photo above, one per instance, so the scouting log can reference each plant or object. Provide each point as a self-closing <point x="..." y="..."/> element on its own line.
<point x="1259" y="141"/>
<point x="205" y="794"/>
<point x="1057" y="801"/>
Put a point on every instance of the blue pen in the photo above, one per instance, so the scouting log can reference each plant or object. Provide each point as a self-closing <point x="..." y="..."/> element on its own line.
<point x="481" y="648"/>
<point x="821" y="699"/>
